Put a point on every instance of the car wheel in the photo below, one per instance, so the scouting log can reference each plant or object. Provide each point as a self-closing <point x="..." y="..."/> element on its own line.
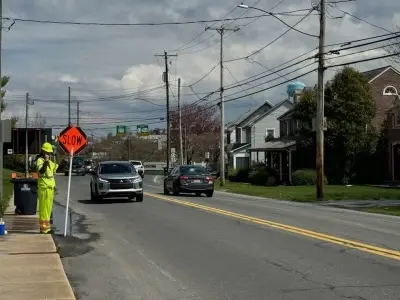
<point x="165" y="190"/>
<point x="83" y="174"/>
<point x="66" y="173"/>
<point x="198" y="194"/>
<point x="210" y="194"/>
<point x="175" y="191"/>
<point x="139" y="198"/>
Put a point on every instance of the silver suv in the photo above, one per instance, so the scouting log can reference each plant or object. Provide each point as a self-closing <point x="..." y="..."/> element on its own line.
<point x="116" y="179"/>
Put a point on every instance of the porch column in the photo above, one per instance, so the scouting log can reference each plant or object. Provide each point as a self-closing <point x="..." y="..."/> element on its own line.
<point x="272" y="160"/>
<point x="257" y="156"/>
<point x="290" y="166"/>
<point x="265" y="158"/>
<point x="280" y="166"/>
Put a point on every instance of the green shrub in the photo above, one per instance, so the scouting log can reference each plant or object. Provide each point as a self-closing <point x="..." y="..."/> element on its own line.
<point x="305" y="177"/>
<point x="15" y="162"/>
<point x="8" y="189"/>
<point x="258" y="177"/>
<point x="240" y="175"/>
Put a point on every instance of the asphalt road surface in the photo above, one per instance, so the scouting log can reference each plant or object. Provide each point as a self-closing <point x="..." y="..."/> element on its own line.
<point x="225" y="247"/>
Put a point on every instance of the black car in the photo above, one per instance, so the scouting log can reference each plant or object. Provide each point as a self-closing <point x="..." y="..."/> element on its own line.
<point x="189" y="179"/>
<point x="77" y="168"/>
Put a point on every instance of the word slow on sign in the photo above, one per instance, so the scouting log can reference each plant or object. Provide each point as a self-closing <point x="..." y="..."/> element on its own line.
<point x="72" y="139"/>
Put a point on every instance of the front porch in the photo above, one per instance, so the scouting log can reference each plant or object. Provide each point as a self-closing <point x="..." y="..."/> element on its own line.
<point x="277" y="156"/>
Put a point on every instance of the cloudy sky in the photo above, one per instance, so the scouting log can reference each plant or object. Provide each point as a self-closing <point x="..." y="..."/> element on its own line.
<point x="113" y="71"/>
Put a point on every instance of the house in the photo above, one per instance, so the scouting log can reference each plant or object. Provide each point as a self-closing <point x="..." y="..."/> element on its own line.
<point x="278" y="151"/>
<point x="393" y="117"/>
<point x="385" y="85"/>
<point x="251" y="130"/>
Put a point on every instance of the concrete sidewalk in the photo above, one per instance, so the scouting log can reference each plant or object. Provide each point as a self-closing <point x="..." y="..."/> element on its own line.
<point x="30" y="266"/>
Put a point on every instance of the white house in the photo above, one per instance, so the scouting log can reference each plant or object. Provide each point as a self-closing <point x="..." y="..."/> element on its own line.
<point x="251" y="130"/>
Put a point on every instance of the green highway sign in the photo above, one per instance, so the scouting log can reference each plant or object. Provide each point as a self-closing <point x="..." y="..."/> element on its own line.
<point x="121" y="130"/>
<point x="142" y="130"/>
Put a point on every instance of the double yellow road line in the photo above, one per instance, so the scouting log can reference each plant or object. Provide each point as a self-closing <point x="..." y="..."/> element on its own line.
<point x="388" y="253"/>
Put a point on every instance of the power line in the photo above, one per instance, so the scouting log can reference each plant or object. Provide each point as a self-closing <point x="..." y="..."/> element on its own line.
<point x="364" y="60"/>
<point x="255" y="19"/>
<point x="127" y="24"/>
<point x="364" y="44"/>
<point x="273" y="41"/>
<point x="360" y="19"/>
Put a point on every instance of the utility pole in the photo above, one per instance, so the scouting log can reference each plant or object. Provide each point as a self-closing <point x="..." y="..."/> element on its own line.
<point x="320" y="107"/>
<point x="180" y="121"/>
<point x="185" y="146"/>
<point x="27" y="103"/>
<point x="129" y="146"/>
<point x="1" y="124"/>
<point x="77" y="113"/>
<point x="221" y="30"/>
<point x="166" y="55"/>
<point x="69" y="106"/>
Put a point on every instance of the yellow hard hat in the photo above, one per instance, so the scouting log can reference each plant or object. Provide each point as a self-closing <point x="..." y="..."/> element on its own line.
<point x="47" y="147"/>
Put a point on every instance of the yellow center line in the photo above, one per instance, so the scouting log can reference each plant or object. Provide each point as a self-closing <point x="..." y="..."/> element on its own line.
<point x="388" y="253"/>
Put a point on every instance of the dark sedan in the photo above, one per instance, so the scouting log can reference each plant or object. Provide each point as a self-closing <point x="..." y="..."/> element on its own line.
<point x="77" y="168"/>
<point x="189" y="179"/>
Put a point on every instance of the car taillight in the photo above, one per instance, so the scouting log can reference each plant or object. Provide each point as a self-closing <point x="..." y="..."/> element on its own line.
<point x="183" y="178"/>
<point x="209" y="178"/>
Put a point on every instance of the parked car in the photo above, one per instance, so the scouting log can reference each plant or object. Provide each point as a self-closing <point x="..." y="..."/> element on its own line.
<point x="112" y="179"/>
<point x="138" y="166"/>
<point x="189" y="179"/>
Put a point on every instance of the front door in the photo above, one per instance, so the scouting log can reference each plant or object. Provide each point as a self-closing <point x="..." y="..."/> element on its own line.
<point x="396" y="162"/>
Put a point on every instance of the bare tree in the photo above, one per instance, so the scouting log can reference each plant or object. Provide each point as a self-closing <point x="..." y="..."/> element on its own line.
<point x="39" y="121"/>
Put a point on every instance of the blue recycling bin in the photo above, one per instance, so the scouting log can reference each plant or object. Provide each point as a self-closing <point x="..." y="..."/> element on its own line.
<point x="25" y="196"/>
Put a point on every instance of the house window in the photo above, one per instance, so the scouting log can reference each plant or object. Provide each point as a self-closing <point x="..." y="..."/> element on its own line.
<point x="389" y="91"/>
<point x="270" y="134"/>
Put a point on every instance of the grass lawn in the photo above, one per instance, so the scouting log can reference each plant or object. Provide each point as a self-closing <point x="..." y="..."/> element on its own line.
<point x="8" y="190"/>
<point x="390" y="210"/>
<point x="307" y="193"/>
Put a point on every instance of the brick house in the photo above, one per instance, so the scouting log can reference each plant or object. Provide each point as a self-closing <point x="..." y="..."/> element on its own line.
<point x="385" y="86"/>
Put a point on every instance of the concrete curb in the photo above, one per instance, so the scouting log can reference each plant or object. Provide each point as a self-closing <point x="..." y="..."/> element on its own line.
<point x="31" y="266"/>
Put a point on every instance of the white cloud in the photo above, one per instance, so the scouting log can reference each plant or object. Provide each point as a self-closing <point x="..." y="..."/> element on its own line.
<point x="66" y="78"/>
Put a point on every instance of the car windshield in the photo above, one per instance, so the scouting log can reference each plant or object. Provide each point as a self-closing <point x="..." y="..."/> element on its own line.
<point x="193" y="170"/>
<point x="116" y="169"/>
<point x="136" y="163"/>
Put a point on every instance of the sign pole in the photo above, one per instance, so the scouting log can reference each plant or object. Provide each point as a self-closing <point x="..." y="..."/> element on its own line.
<point x="68" y="192"/>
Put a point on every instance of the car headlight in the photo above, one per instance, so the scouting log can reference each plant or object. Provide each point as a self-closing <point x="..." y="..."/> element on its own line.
<point x="103" y="180"/>
<point x="137" y="180"/>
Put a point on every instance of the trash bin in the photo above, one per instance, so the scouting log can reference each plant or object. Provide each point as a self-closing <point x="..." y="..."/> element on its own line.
<point x="25" y="196"/>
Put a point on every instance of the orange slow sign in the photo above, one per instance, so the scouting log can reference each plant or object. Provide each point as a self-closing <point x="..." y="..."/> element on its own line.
<point x="72" y="139"/>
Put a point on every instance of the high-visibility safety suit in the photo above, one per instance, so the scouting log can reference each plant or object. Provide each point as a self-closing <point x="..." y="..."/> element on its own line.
<point x="46" y="185"/>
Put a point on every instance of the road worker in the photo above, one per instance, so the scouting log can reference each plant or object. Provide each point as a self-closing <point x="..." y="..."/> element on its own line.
<point x="46" y="186"/>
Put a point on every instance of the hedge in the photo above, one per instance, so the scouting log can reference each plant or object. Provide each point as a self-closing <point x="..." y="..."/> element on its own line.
<point x="258" y="177"/>
<point x="240" y="175"/>
<point x="305" y="177"/>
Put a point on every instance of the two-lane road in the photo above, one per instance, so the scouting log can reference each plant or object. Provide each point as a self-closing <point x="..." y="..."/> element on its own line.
<point x="226" y="247"/>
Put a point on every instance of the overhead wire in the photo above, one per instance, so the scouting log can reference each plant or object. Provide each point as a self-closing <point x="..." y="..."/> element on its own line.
<point x="123" y="24"/>
<point x="273" y="41"/>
